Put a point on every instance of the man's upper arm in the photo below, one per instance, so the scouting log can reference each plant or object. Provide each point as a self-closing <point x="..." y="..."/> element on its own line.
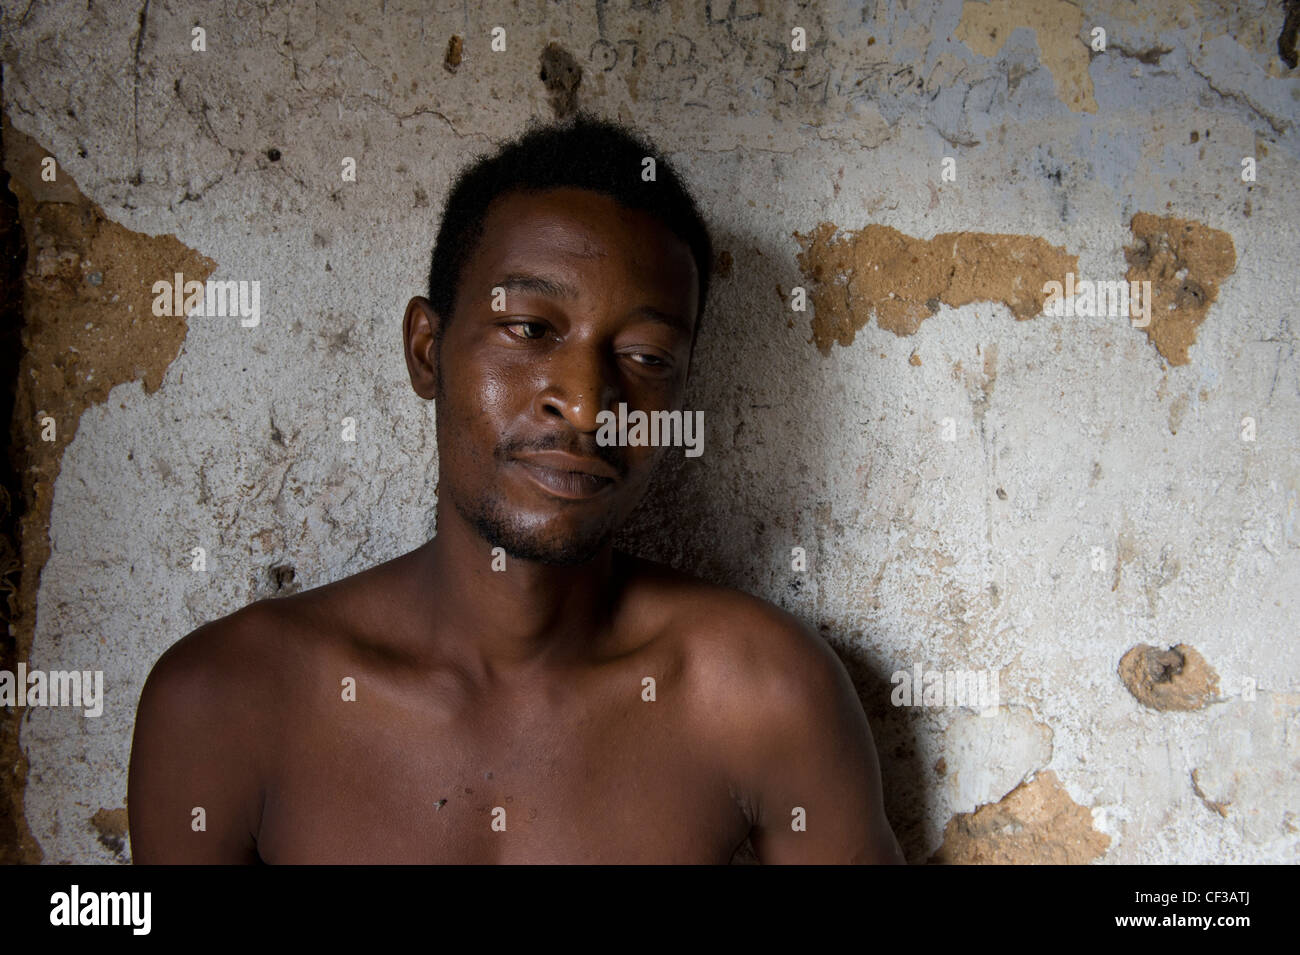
<point x="192" y="751"/>
<point x="813" y="776"/>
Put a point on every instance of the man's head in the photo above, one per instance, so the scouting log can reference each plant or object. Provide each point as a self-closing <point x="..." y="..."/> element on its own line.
<point x="563" y="282"/>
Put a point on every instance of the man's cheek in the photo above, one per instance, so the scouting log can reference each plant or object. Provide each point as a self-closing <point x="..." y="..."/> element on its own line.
<point x="639" y="469"/>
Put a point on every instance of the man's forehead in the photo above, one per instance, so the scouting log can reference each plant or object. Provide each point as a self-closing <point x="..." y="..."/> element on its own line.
<point x="584" y="226"/>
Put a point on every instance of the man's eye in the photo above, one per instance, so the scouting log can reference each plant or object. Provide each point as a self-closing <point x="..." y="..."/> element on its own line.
<point x="652" y="361"/>
<point x="531" y="330"/>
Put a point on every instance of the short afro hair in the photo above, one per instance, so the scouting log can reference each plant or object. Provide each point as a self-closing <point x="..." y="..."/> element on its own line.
<point x="584" y="152"/>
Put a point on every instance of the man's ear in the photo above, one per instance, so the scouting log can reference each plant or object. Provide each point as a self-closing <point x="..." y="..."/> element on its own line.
<point x="420" y="333"/>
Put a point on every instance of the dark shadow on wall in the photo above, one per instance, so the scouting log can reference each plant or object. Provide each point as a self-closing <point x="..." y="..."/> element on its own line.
<point x="709" y="516"/>
<point x="13" y="260"/>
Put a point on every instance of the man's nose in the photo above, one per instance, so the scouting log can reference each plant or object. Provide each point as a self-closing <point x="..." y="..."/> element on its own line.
<point x="578" y="385"/>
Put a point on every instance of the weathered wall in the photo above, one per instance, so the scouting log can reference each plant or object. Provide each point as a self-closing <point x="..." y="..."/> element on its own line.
<point x="978" y="486"/>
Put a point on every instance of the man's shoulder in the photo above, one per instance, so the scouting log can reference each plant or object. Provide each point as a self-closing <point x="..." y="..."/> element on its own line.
<point x="277" y="630"/>
<point x="203" y="669"/>
<point x="257" y="649"/>
<point x="742" y="651"/>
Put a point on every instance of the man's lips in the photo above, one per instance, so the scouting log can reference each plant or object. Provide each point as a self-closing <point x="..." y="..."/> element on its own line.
<point x="568" y="475"/>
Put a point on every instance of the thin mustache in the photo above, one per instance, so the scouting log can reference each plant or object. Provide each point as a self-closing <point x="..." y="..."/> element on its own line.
<point x="610" y="454"/>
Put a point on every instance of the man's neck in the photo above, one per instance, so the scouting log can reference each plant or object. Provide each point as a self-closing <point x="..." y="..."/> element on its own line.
<point x="513" y="621"/>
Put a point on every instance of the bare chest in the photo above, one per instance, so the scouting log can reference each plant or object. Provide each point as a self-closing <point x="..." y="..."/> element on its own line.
<point x="603" y="779"/>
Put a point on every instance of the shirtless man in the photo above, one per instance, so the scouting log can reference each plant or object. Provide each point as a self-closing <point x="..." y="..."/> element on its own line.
<point x="505" y="715"/>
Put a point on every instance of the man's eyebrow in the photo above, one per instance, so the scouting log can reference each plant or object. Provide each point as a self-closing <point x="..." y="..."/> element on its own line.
<point x="555" y="288"/>
<point x="522" y="282"/>
<point x="677" y="321"/>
